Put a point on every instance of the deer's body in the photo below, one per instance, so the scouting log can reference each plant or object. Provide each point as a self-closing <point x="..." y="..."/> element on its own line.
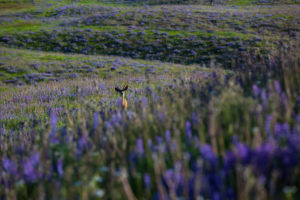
<point x="122" y="93"/>
<point x="124" y="101"/>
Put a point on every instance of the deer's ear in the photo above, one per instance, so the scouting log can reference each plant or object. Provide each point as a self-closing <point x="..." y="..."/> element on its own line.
<point x="125" y="88"/>
<point x="117" y="89"/>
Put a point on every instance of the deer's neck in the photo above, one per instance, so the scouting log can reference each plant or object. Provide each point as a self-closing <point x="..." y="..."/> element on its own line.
<point x="123" y="97"/>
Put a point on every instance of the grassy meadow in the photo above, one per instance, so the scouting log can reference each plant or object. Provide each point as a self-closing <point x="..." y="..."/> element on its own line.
<point x="213" y="100"/>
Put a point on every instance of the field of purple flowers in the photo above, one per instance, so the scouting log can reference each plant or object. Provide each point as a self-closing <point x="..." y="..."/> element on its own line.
<point x="213" y="100"/>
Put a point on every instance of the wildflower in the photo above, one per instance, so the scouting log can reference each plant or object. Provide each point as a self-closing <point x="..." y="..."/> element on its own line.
<point x="147" y="180"/>
<point x="59" y="167"/>
<point x="188" y="129"/>
<point x="168" y="136"/>
<point x="256" y="90"/>
<point x="8" y="165"/>
<point x="277" y="87"/>
<point x="140" y="146"/>
<point x="29" y="167"/>
<point x="96" y="121"/>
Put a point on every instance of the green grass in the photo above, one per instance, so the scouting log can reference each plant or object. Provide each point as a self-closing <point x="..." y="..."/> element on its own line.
<point x="6" y="8"/>
<point x="241" y="2"/>
<point x="86" y="2"/>
<point x="22" y="59"/>
<point x="23" y="26"/>
<point x="225" y="34"/>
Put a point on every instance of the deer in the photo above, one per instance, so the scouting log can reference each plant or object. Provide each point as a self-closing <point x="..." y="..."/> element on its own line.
<point x="122" y="93"/>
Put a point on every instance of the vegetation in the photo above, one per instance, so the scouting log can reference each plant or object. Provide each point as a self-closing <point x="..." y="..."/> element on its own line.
<point x="213" y="100"/>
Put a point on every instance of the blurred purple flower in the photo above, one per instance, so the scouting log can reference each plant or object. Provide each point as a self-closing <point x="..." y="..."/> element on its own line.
<point x="29" y="172"/>
<point x="83" y="143"/>
<point x="194" y="118"/>
<point x="140" y="146"/>
<point x="30" y="166"/>
<point x="277" y="87"/>
<point x="8" y="165"/>
<point x="207" y="152"/>
<point x="159" y="139"/>
<point x="144" y="102"/>
<point x="229" y="160"/>
<point x="243" y="152"/>
<point x="298" y="100"/>
<point x="53" y="120"/>
<point x="268" y="124"/>
<point x="149" y="141"/>
<point x="188" y="129"/>
<point x="264" y="96"/>
<point x="53" y="124"/>
<point x="256" y="90"/>
<point x="147" y="180"/>
<point x="168" y="136"/>
<point x="119" y="102"/>
<point x="59" y="167"/>
<point x="96" y="120"/>
<point x="169" y="175"/>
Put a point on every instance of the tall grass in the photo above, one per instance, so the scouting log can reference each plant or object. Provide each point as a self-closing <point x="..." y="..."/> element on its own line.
<point x="198" y="135"/>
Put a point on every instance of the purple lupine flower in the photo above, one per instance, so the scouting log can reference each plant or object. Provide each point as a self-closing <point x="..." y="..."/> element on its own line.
<point x="214" y="74"/>
<point x="168" y="136"/>
<point x="83" y="143"/>
<point x="229" y="160"/>
<point x="285" y="128"/>
<point x="243" y="152"/>
<point x="169" y="175"/>
<point x="296" y="128"/>
<point x="96" y="121"/>
<point x="262" y="156"/>
<point x="59" y="167"/>
<point x="178" y="173"/>
<point x="35" y="158"/>
<point x="29" y="172"/>
<point x="264" y="96"/>
<point x="194" y="118"/>
<point x="256" y="90"/>
<point x="268" y="124"/>
<point x="53" y="120"/>
<point x="8" y="165"/>
<point x="53" y="124"/>
<point x="188" y="129"/>
<point x="119" y="102"/>
<point x="29" y="167"/>
<point x="161" y="116"/>
<point x="277" y="129"/>
<point x="277" y="87"/>
<point x="149" y="141"/>
<point x="207" y="152"/>
<point x="140" y="146"/>
<point x="159" y="139"/>
<point x="147" y="180"/>
<point x="144" y="102"/>
<point x="155" y="97"/>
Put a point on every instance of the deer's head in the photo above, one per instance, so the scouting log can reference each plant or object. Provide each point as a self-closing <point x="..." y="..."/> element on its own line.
<point x="121" y="91"/>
